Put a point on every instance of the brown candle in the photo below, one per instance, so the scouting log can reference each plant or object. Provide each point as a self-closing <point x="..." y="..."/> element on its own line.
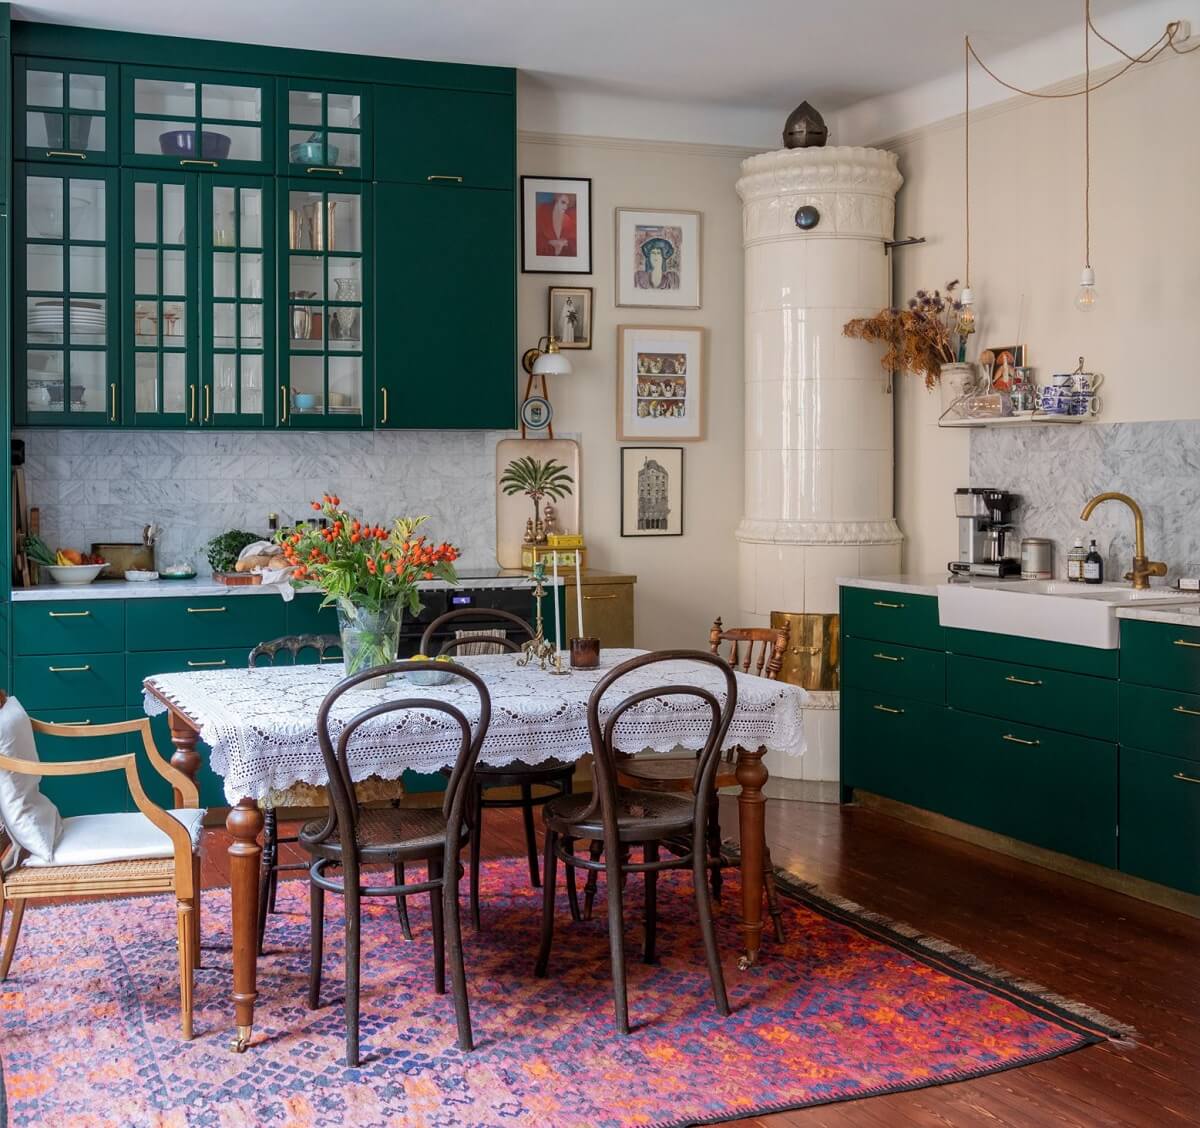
<point x="585" y="653"/>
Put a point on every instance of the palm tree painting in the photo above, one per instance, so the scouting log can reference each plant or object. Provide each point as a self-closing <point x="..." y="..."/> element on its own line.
<point x="537" y="480"/>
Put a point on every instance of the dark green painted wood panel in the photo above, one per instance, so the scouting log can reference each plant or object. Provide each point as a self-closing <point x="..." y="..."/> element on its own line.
<point x="102" y="793"/>
<point x="6" y="140"/>
<point x="306" y="616"/>
<point x="903" y="671"/>
<point x="911" y="620"/>
<point x="1049" y="788"/>
<point x="88" y="138"/>
<point x="438" y="136"/>
<point x="1160" y="818"/>
<point x="142" y="664"/>
<point x="1034" y="652"/>
<point x="212" y="790"/>
<point x="1035" y="696"/>
<point x="431" y="238"/>
<point x="69" y="681"/>
<point x="62" y="626"/>
<point x="204" y="623"/>
<point x="331" y="130"/>
<point x="1160" y="654"/>
<point x="1161" y="720"/>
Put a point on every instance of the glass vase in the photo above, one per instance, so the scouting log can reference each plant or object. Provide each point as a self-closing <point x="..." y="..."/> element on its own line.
<point x="370" y="637"/>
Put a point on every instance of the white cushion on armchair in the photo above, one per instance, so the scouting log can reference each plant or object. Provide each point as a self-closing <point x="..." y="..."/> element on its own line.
<point x="31" y="819"/>
<point x="90" y="840"/>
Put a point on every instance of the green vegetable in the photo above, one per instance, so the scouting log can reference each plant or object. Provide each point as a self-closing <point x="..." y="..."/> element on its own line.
<point x="37" y="551"/>
<point x="223" y="550"/>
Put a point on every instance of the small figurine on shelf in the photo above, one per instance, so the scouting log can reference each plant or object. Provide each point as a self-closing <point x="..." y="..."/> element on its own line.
<point x="539" y="532"/>
<point x="549" y="519"/>
<point x="529" y="535"/>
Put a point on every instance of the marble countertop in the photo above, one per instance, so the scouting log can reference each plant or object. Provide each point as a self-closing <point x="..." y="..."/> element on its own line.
<point x="151" y="589"/>
<point x="911" y="584"/>
<point x="1181" y="615"/>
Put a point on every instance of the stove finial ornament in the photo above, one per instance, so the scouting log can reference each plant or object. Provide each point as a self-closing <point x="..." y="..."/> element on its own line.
<point x="805" y="128"/>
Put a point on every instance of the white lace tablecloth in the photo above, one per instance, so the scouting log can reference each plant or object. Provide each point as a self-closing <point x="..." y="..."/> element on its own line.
<point x="260" y="725"/>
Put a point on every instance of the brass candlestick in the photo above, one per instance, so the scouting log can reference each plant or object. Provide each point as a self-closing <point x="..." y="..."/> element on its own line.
<point x="539" y="648"/>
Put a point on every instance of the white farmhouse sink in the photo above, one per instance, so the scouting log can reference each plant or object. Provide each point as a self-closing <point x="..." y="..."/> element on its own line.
<point x="1053" y="610"/>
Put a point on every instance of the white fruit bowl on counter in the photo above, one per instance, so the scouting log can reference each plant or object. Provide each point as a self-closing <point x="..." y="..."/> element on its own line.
<point x="73" y="575"/>
<point x="1052" y="610"/>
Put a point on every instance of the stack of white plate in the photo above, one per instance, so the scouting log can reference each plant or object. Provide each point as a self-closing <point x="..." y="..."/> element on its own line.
<point x="47" y="317"/>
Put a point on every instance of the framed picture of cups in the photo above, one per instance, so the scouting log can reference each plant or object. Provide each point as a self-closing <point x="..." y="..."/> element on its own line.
<point x="660" y="383"/>
<point x="658" y="258"/>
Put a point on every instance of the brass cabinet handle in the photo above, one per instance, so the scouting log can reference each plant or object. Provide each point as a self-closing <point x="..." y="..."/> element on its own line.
<point x="193" y="161"/>
<point x="205" y="610"/>
<point x="322" y="168"/>
<point x="610" y="595"/>
<point x="282" y="403"/>
<point x="1185" y="778"/>
<point x="206" y="665"/>
<point x="887" y="657"/>
<point x="893" y="606"/>
<point x="452" y="179"/>
<point x="68" y="614"/>
<point x="112" y="417"/>
<point x="75" y="724"/>
<point x="383" y="419"/>
<point x="1184" y="642"/>
<point x="69" y="669"/>
<point x="192" y="403"/>
<point x="331" y="658"/>
<point x="207" y="404"/>
<point x="1186" y="711"/>
<point x="65" y="153"/>
<point x="1018" y="740"/>
<point x="1020" y="681"/>
<point x="887" y="709"/>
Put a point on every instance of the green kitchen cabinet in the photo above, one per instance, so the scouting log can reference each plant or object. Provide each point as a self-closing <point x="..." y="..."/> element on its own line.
<point x="1160" y="818"/>
<point x="76" y="680"/>
<point x="65" y="625"/>
<point x="65" y="111"/>
<point x="887" y="616"/>
<point x="1161" y="720"/>
<point x="66" y="340"/>
<point x="196" y="120"/>
<point x="1160" y="654"/>
<point x="207" y="622"/>
<point x="305" y="615"/>
<point x="324" y="129"/>
<point x="1065" y="656"/>
<point x="102" y="793"/>
<point x="209" y="784"/>
<point x="448" y="139"/>
<point x="432" y="239"/>
<point x="325" y="341"/>
<point x="902" y="671"/>
<point x="143" y="664"/>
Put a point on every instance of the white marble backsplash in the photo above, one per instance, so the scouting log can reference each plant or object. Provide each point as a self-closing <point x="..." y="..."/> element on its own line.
<point x="1056" y="469"/>
<point x="105" y="486"/>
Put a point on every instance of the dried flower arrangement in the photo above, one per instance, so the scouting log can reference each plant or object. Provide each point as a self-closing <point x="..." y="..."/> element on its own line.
<point x="931" y="330"/>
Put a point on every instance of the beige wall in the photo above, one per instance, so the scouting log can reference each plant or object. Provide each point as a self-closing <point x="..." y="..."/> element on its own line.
<point x="1027" y="251"/>
<point x="683" y="582"/>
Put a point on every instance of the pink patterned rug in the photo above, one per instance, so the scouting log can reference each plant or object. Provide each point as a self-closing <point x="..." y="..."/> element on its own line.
<point x="847" y="1007"/>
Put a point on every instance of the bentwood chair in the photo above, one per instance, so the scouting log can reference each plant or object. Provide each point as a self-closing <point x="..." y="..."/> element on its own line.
<point x="552" y="774"/>
<point x="288" y="651"/>
<point x="112" y="855"/>
<point x="753" y="650"/>
<point x="622" y="819"/>
<point x="353" y="836"/>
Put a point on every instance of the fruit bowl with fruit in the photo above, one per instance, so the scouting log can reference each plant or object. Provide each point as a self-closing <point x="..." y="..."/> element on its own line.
<point x="430" y="677"/>
<point x="67" y="566"/>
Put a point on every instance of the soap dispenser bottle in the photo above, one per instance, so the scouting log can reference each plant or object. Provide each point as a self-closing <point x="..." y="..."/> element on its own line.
<point x="1093" y="566"/>
<point x="1075" y="561"/>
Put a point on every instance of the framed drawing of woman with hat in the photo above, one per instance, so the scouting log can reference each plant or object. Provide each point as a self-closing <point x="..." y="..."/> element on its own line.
<point x="658" y="258"/>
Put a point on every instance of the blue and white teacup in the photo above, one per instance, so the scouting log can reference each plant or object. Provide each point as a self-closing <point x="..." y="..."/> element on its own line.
<point x="1058" y="395"/>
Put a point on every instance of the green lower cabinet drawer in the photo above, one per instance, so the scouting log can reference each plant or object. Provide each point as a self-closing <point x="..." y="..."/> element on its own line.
<point x="305" y="616"/>
<point x="902" y="671"/>
<point x="1037" y="652"/>
<point x="146" y="663"/>
<point x="212" y="790"/>
<point x="1051" y="789"/>
<point x="204" y="623"/>
<point x="1161" y="720"/>
<point x="1160" y="654"/>
<point x="102" y="793"/>
<point x="1160" y="819"/>
<point x="69" y="681"/>
<point x="911" y="620"/>
<point x="1034" y="696"/>
<point x="61" y="626"/>
<point x="895" y="747"/>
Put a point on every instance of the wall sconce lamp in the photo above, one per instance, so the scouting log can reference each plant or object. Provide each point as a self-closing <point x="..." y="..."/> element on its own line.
<point x="543" y="360"/>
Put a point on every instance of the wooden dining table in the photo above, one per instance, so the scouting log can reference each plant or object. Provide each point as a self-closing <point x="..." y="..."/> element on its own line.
<point x="259" y="726"/>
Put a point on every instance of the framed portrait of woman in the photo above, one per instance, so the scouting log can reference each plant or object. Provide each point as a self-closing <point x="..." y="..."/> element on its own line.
<point x="658" y="258"/>
<point x="556" y="225"/>
<point x="571" y="316"/>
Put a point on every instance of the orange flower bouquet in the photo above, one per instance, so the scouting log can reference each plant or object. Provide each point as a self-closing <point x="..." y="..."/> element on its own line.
<point x="369" y="572"/>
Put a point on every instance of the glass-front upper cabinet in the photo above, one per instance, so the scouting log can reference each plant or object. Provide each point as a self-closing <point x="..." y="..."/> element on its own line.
<point x="65" y="111"/>
<point x="67" y="288"/>
<point x="324" y="129"/>
<point x="196" y="120"/>
<point x="325" y="332"/>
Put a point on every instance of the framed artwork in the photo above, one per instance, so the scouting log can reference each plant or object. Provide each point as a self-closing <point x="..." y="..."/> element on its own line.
<point x="571" y="316"/>
<point x="658" y="258"/>
<point x="556" y="225"/>
<point x="660" y="383"/>
<point x="652" y="491"/>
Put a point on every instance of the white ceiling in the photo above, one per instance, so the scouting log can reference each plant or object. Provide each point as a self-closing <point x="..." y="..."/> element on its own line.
<point x="728" y="55"/>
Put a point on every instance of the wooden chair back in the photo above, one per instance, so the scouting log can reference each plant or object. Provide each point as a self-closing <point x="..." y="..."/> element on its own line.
<point x="520" y="628"/>
<point x="293" y="645"/>
<point x="753" y="650"/>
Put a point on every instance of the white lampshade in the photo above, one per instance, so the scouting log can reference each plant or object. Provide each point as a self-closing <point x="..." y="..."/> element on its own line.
<point x="552" y="364"/>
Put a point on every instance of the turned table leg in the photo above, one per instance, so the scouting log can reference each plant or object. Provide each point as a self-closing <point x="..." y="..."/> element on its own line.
<point x="185" y="757"/>
<point x="751" y="774"/>
<point x="244" y="824"/>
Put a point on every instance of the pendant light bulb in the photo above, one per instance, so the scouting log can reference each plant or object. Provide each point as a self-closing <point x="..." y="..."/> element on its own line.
<point x="1085" y="297"/>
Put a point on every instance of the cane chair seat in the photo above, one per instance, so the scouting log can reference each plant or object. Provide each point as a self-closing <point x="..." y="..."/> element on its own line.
<point x="669" y="773"/>
<point x="640" y="815"/>
<point x="385" y="834"/>
<point x="146" y="875"/>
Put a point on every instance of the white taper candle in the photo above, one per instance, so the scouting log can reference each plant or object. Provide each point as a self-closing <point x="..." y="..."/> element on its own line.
<point x="557" y="604"/>
<point x="579" y="592"/>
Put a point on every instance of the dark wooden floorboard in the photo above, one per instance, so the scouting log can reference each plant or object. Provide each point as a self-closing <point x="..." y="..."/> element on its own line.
<point x="1136" y="962"/>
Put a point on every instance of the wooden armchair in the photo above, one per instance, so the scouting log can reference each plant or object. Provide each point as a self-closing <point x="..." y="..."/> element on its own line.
<point x="153" y="866"/>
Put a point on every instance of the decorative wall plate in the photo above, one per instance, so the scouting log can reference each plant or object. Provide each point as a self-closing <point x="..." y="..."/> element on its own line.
<point x="536" y="413"/>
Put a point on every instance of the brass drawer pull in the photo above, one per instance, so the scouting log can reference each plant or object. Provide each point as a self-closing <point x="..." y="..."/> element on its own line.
<point x="69" y="669"/>
<point x="887" y="709"/>
<point x="1184" y="642"/>
<point x="887" y="657"/>
<point x="1185" y="778"/>
<point x="75" y="724"/>
<point x="65" y="153"/>
<point x="611" y="595"/>
<point x="207" y="404"/>
<point x="1021" y="681"/>
<point x="331" y="658"/>
<point x="192" y="402"/>
<point x="322" y="168"/>
<point x="112" y="418"/>
<point x="1186" y="711"/>
<point x="384" y="417"/>
<point x="68" y="614"/>
<point x="1019" y="740"/>
<point x="205" y="610"/>
<point x="283" y="403"/>
<point x="214" y="664"/>
<point x="893" y="606"/>
<point x="193" y="161"/>
<point x="452" y="179"/>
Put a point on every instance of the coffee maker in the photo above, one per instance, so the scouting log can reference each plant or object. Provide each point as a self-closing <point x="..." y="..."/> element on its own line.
<point x="985" y="535"/>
